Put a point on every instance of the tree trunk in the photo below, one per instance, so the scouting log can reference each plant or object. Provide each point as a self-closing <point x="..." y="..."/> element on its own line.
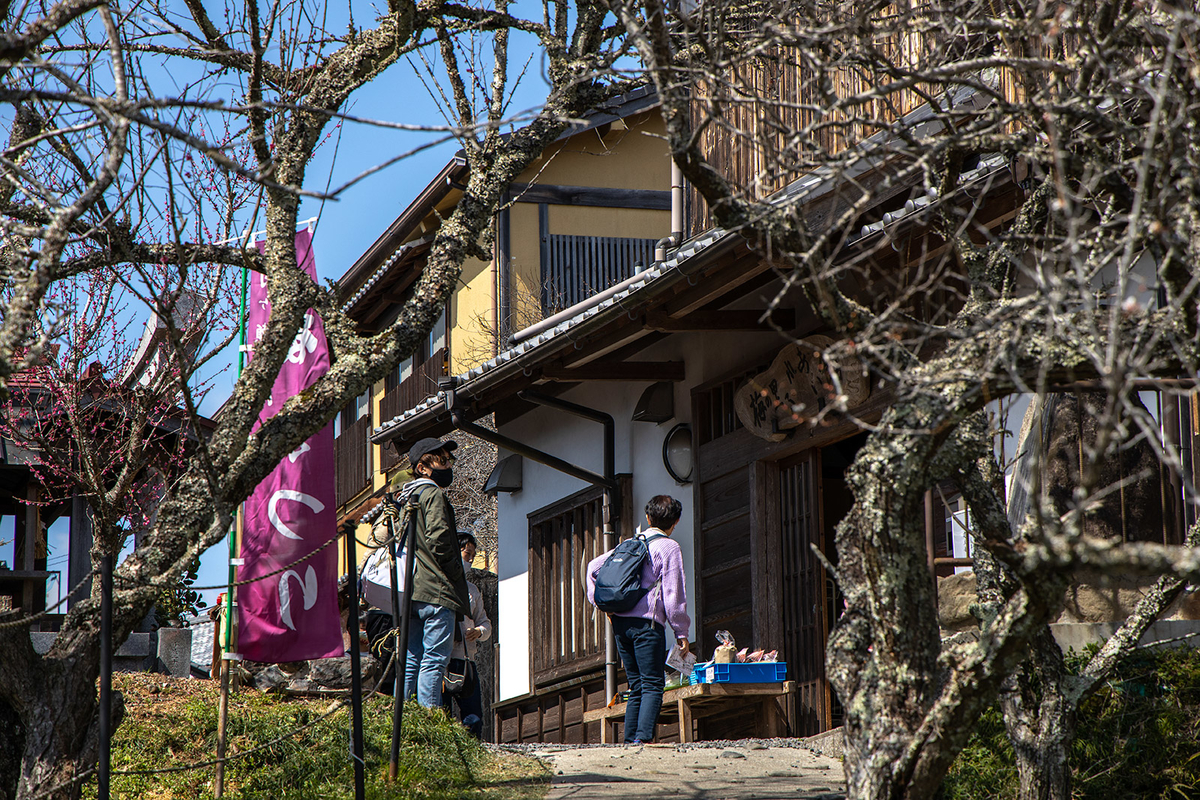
<point x="883" y="653"/>
<point x="1040" y="722"/>
<point x="53" y="712"/>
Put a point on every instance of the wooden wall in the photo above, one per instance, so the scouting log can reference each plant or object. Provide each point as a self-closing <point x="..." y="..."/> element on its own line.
<point x="555" y="714"/>
<point x="774" y="118"/>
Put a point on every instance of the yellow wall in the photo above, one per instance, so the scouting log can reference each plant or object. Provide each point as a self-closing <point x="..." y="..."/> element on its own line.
<point x="633" y="155"/>
<point x="377" y="476"/>
<point x="471" y="317"/>
<point x="630" y="155"/>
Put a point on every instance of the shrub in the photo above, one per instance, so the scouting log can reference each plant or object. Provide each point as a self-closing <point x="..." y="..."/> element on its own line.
<point x="1137" y="736"/>
<point x="172" y="724"/>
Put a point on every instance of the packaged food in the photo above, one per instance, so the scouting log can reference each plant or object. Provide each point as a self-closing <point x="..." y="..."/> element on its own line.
<point x="726" y="652"/>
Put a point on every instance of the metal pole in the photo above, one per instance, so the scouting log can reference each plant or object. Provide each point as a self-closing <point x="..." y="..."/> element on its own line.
<point x="532" y="453"/>
<point x="1172" y="438"/>
<point x="106" y="589"/>
<point x="400" y="646"/>
<point x="605" y="419"/>
<point x="929" y="554"/>
<point x="222" y="721"/>
<point x="410" y="563"/>
<point x="230" y="649"/>
<point x="610" y="640"/>
<point x="356" y="721"/>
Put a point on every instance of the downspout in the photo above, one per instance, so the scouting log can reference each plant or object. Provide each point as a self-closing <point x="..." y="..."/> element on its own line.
<point x="610" y="536"/>
<point x="503" y="284"/>
<point x="608" y="481"/>
<point x="494" y="278"/>
<point x="676" y="238"/>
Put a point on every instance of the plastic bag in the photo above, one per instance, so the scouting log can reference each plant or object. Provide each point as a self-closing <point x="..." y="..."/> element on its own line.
<point x="726" y="652"/>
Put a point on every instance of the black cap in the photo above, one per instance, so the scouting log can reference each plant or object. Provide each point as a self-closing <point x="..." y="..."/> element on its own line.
<point x="429" y="445"/>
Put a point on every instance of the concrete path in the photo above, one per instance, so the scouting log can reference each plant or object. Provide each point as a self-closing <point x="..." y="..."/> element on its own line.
<point x="730" y="771"/>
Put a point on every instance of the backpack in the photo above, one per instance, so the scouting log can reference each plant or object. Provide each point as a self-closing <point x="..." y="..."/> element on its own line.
<point x="619" y="579"/>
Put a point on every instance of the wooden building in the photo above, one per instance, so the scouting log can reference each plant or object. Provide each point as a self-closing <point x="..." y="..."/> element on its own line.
<point x="687" y="363"/>
<point x="685" y="379"/>
<point x="583" y="217"/>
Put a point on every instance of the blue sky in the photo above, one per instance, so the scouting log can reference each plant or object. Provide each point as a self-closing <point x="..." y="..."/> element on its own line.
<point x="347" y="226"/>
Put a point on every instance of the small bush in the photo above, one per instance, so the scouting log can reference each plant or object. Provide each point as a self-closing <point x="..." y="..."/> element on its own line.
<point x="1137" y="736"/>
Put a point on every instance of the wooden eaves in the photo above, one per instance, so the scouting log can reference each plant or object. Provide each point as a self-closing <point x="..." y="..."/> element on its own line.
<point x="686" y="292"/>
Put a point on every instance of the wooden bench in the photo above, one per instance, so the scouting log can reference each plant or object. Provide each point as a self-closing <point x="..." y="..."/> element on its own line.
<point x="690" y="703"/>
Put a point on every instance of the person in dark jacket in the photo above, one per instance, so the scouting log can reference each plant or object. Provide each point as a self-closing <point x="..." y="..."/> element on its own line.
<point x="439" y="592"/>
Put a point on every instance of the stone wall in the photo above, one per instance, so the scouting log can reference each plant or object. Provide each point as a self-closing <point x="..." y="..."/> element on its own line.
<point x="1097" y="603"/>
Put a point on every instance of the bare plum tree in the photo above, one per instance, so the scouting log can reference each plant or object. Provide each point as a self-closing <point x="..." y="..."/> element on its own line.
<point x="981" y="200"/>
<point x="142" y="138"/>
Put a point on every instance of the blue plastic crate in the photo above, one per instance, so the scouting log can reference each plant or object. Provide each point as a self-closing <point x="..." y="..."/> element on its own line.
<point x="759" y="672"/>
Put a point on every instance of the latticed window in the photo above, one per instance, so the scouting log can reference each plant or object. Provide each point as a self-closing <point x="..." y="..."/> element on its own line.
<point x="352" y="449"/>
<point x="577" y="267"/>
<point x="566" y="631"/>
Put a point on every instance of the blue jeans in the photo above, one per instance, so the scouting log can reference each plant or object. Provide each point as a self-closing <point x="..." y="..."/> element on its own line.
<point x="430" y="640"/>
<point x="643" y="651"/>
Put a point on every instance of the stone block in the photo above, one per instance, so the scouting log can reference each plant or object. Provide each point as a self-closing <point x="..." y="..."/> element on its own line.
<point x="831" y="743"/>
<point x="175" y="651"/>
<point x="136" y="646"/>
<point x="1077" y="635"/>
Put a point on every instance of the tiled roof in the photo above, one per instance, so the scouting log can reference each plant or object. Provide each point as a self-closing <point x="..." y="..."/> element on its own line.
<point x="660" y="275"/>
<point x="383" y="268"/>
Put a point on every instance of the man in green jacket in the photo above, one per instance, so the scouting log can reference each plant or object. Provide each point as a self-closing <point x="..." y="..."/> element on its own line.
<point x="440" y="596"/>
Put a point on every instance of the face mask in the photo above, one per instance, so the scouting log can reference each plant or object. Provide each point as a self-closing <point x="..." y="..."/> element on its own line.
<point x="442" y="477"/>
<point x="466" y="566"/>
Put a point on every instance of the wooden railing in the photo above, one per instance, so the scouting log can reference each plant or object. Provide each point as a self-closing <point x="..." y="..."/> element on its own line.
<point x="577" y="267"/>
<point x="352" y="454"/>
<point x="773" y="120"/>
<point x="416" y="387"/>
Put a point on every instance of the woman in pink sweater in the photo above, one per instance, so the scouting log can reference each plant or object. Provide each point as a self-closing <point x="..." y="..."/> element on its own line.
<point x="640" y="632"/>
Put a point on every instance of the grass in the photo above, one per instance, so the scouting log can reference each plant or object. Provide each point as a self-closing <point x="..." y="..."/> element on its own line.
<point x="172" y="723"/>
<point x="1138" y="736"/>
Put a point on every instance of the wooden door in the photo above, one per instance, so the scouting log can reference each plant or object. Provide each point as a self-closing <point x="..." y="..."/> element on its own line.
<point x="803" y="601"/>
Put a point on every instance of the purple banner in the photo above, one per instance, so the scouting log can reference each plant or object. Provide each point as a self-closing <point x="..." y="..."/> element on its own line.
<point x="291" y="614"/>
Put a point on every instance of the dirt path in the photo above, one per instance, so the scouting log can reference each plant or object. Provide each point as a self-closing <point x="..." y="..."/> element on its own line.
<point x="730" y="771"/>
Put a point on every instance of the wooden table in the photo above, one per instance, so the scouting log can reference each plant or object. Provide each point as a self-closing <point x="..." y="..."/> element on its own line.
<point x="689" y="703"/>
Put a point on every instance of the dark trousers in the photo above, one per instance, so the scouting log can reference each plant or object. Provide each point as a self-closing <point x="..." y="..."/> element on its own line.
<point x="383" y="647"/>
<point x="466" y="708"/>
<point x="643" y="651"/>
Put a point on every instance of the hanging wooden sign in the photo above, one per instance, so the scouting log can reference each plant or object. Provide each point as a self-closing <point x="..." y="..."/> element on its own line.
<point x="795" y="388"/>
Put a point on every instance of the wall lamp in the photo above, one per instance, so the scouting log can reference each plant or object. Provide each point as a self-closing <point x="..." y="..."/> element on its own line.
<point x="657" y="403"/>
<point x="505" y="476"/>
<point x="677" y="453"/>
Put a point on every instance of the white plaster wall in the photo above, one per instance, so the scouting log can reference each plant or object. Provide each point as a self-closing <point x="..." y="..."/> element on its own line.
<point x="638" y="452"/>
<point x="513" y="641"/>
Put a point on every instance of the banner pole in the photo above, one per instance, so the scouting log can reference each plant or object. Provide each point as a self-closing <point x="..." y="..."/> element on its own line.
<point x="356" y="719"/>
<point x="230" y="648"/>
